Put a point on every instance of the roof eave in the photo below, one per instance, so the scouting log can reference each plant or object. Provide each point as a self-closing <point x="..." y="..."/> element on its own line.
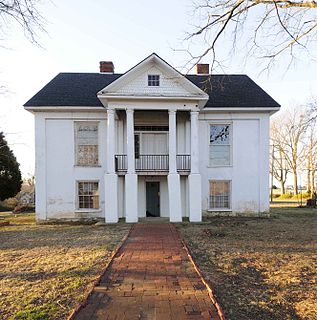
<point x="200" y="100"/>
<point x="270" y="109"/>
<point x="63" y="108"/>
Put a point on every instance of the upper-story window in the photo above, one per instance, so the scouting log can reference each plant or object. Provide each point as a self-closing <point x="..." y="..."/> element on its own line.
<point x="153" y="80"/>
<point x="220" y="145"/>
<point x="86" y="141"/>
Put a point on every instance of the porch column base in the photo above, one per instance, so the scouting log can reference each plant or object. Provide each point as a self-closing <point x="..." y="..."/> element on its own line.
<point x="131" y="198"/>
<point x="194" y="185"/>
<point x="174" y="196"/>
<point x="111" y="198"/>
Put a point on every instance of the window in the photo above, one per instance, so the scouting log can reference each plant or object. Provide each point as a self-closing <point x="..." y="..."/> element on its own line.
<point x="137" y="146"/>
<point x="219" y="145"/>
<point x="153" y="80"/>
<point x="88" y="195"/>
<point x="86" y="138"/>
<point x="220" y="194"/>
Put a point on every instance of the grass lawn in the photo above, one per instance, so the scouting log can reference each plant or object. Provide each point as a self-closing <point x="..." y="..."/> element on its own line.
<point x="260" y="268"/>
<point x="45" y="269"/>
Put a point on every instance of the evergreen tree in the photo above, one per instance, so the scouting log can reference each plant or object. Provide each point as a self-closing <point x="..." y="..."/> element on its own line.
<point x="10" y="174"/>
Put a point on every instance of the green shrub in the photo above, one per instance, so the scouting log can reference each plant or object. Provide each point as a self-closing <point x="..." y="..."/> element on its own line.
<point x="304" y="195"/>
<point x="10" y="203"/>
<point x="3" y="207"/>
<point x="285" y="196"/>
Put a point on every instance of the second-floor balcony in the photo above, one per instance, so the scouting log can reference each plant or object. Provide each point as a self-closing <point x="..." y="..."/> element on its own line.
<point x="158" y="163"/>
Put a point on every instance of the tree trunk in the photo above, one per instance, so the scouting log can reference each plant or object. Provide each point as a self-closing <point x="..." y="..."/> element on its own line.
<point x="309" y="165"/>
<point x="295" y="182"/>
<point x="283" y="187"/>
<point x="313" y="187"/>
<point x="308" y="188"/>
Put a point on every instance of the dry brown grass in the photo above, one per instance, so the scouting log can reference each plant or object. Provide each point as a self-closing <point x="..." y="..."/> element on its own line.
<point x="45" y="269"/>
<point x="260" y="269"/>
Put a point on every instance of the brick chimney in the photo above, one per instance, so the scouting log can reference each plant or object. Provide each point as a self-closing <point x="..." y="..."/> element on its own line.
<point x="202" y="68"/>
<point x="106" y="66"/>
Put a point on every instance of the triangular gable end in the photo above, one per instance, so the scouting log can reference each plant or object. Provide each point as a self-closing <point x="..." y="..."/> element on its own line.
<point x="134" y="83"/>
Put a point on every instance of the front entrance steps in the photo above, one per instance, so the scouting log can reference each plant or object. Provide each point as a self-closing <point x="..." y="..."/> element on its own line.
<point x="154" y="220"/>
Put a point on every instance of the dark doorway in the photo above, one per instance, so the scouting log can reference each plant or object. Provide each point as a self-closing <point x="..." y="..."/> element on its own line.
<point x="153" y="199"/>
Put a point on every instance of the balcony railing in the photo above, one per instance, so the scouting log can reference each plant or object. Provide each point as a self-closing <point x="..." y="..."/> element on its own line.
<point x="183" y="162"/>
<point x="152" y="163"/>
<point x="121" y="162"/>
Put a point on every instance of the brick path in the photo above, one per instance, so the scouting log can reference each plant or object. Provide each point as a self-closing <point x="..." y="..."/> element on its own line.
<point x="150" y="277"/>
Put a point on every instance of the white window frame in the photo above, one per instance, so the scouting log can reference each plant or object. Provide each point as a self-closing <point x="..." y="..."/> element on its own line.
<point x="88" y="122"/>
<point x="153" y="82"/>
<point x="210" y="195"/>
<point x="222" y="123"/>
<point x="77" y="196"/>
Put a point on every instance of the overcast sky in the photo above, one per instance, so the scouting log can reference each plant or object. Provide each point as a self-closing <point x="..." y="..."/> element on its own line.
<point x="82" y="33"/>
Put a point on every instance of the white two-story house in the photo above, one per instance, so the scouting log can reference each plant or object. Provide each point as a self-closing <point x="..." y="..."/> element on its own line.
<point x="151" y="142"/>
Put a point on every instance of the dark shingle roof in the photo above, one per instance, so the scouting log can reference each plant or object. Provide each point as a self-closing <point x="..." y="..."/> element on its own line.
<point x="232" y="91"/>
<point x="80" y="89"/>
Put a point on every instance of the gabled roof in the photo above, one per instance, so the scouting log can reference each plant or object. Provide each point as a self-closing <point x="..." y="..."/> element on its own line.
<point x="133" y="83"/>
<point x="80" y="89"/>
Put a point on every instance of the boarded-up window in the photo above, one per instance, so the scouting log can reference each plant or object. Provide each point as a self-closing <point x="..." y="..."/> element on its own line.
<point x="86" y="137"/>
<point x="220" y="194"/>
<point x="88" y="195"/>
<point x="219" y="145"/>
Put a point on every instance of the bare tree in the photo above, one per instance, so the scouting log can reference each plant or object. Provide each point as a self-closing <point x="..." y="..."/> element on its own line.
<point x="309" y="158"/>
<point x="279" y="164"/>
<point x="311" y="155"/>
<point x="24" y="13"/>
<point x="291" y="138"/>
<point x="314" y="167"/>
<point x="264" y="29"/>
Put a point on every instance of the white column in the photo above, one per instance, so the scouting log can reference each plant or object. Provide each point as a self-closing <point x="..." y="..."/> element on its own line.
<point x="194" y="179"/>
<point x="173" y="180"/>
<point x="131" y="179"/>
<point x="194" y="143"/>
<point x="111" y="178"/>
<point x="172" y="141"/>
<point x="130" y="141"/>
<point x="110" y="140"/>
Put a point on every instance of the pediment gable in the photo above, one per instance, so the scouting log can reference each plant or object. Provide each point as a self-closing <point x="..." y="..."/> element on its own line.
<point x="134" y="83"/>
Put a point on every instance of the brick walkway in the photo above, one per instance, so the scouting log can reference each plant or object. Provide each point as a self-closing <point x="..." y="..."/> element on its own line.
<point x="150" y="277"/>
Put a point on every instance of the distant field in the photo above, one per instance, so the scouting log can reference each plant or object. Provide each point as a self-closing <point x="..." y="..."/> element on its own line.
<point x="260" y="268"/>
<point x="45" y="269"/>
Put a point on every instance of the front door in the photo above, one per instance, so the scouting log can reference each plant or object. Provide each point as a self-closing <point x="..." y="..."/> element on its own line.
<point x="152" y="199"/>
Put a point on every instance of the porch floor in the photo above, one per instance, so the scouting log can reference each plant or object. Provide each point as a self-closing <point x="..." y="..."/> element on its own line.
<point x="151" y="277"/>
